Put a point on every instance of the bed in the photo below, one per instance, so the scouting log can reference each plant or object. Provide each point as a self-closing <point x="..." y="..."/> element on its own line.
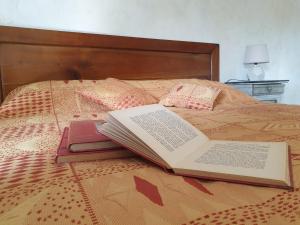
<point x="40" y="73"/>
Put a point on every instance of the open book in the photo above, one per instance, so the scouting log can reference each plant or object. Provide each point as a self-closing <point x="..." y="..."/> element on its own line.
<point x="160" y="135"/>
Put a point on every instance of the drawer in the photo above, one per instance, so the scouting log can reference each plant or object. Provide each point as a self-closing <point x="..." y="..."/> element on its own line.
<point x="246" y="88"/>
<point x="267" y="89"/>
<point x="268" y="98"/>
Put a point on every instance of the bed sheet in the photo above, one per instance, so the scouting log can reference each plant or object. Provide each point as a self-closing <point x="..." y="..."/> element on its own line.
<point x="36" y="190"/>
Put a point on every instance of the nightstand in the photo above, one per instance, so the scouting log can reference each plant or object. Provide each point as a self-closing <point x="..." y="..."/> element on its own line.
<point x="265" y="90"/>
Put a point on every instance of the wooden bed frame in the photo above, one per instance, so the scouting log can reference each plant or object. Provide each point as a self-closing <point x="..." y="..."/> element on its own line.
<point x="32" y="55"/>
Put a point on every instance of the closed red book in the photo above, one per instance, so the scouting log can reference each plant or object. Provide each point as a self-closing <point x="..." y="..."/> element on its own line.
<point x="65" y="155"/>
<point x="84" y="135"/>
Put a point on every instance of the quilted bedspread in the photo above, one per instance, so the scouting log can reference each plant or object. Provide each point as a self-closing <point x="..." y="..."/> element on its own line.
<point x="36" y="190"/>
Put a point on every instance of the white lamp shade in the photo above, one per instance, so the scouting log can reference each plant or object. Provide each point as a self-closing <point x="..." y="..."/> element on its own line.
<point x="257" y="54"/>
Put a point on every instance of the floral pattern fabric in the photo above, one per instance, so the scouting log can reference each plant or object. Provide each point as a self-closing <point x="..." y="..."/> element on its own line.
<point x="191" y="96"/>
<point x="115" y="94"/>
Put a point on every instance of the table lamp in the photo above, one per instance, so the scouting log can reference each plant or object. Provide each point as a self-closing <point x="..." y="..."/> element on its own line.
<point x="255" y="56"/>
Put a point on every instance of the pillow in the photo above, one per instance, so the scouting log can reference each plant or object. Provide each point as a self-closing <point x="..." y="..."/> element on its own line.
<point x="191" y="96"/>
<point x="229" y="96"/>
<point x="116" y="94"/>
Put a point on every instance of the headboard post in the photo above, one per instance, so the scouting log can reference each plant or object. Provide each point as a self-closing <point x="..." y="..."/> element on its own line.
<point x="1" y="86"/>
<point x="215" y="64"/>
<point x="32" y="55"/>
<point x="1" y="91"/>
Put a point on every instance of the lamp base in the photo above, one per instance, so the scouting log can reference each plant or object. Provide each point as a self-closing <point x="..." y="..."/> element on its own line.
<point x="256" y="72"/>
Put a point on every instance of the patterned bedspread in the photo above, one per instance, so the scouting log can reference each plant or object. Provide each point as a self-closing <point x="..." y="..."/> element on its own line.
<point x="35" y="190"/>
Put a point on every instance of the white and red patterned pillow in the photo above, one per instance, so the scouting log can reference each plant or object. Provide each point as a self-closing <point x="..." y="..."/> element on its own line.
<point x="191" y="96"/>
<point x="116" y="94"/>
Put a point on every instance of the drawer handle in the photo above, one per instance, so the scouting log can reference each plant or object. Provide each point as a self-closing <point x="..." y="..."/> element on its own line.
<point x="269" y="89"/>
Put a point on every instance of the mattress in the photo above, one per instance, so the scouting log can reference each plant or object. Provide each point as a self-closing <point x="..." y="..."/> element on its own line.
<point x="36" y="190"/>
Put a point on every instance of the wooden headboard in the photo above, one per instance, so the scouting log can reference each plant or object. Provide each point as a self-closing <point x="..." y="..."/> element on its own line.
<point x="32" y="55"/>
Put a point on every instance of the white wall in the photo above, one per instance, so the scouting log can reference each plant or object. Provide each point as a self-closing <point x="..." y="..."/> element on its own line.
<point x="231" y="23"/>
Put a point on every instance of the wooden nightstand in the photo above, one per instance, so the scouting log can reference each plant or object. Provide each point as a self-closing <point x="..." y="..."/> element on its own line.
<point x="265" y="90"/>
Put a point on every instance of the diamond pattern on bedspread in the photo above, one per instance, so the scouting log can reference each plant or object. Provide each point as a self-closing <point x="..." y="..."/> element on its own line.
<point x="28" y="104"/>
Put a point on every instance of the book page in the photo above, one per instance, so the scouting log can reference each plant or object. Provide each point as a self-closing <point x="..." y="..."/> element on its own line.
<point x="171" y="137"/>
<point x="253" y="159"/>
<point x="165" y="128"/>
<point x="123" y="139"/>
<point x="252" y="156"/>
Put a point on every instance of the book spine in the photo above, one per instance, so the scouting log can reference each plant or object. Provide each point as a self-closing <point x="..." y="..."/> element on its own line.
<point x="290" y="188"/>
<point x="291" y="169"/>
<point x="69" y="138"/>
